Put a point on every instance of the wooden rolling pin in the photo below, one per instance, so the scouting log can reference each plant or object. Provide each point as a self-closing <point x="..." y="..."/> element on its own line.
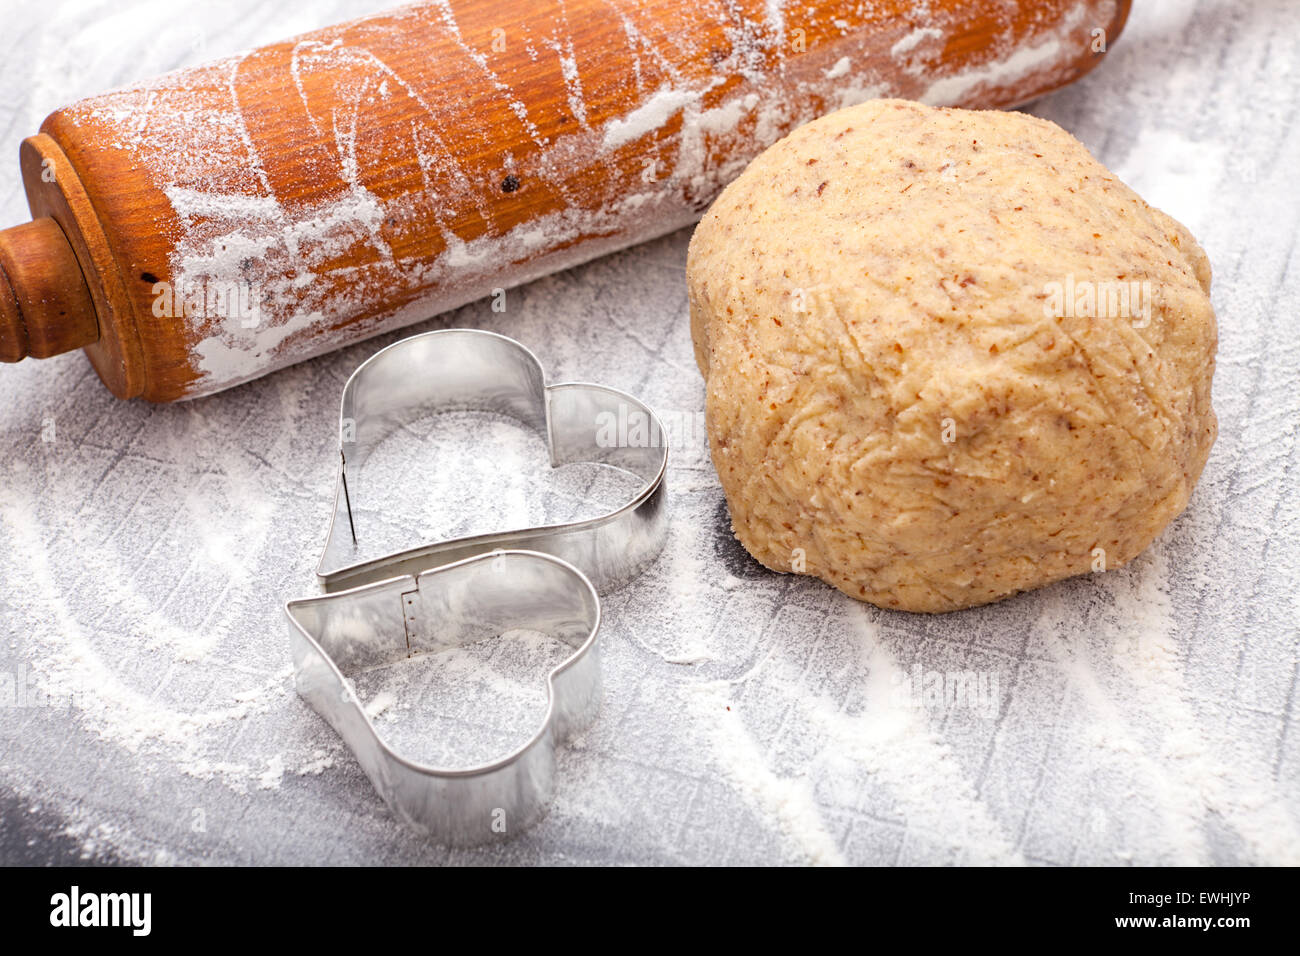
<point x="197" y="230"/>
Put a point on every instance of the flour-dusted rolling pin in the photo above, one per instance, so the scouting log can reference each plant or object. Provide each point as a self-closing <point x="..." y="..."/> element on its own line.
<point x="203" y="228"/>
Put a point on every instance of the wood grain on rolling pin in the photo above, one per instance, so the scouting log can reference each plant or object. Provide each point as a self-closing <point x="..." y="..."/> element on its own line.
<point x="378" y="172"/>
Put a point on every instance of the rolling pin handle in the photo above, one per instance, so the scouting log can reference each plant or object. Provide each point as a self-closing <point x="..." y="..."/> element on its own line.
<point x="45" y="307"/>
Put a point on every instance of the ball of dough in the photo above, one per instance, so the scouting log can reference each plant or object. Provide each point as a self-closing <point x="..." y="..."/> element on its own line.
<point x="948" y="356"/>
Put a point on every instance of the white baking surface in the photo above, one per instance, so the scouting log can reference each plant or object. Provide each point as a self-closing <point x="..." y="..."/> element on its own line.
<point x="1144" y="715"/>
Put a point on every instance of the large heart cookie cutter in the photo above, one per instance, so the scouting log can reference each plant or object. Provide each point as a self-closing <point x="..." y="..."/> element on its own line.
<point x="339" y="635"/>
<point x="444" y="594"/>
<point x="472" y="369"/>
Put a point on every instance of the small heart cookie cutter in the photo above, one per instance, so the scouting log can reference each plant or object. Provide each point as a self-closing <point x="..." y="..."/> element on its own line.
<point x="458" y="369"/>
<point x="337" y="636"/>
<point x="445" y="594"/>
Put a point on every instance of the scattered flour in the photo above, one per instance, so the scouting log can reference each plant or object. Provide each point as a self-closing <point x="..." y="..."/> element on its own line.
<point x="148" y="550"/>
<point x="841" y="68"/>
<point x="647" y="117"/>
<point x="953" y="89"/>
<point x="913" y="40"/>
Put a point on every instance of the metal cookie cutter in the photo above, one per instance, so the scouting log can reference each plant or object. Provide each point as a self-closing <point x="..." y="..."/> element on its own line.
<point x="339" y="635"/>
<point x="445" y="594"/>
<point x="470" y="369"/>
